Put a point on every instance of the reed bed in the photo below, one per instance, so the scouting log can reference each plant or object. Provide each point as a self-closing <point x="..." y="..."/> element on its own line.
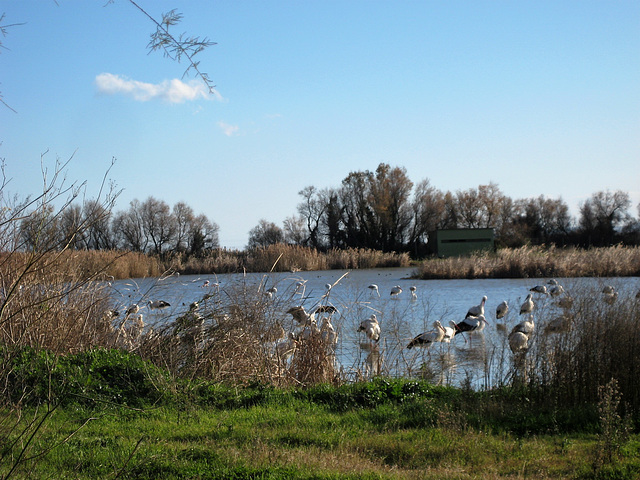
<point x="524" y="262"/>
<point x="218" y="261"/>
<point x="236" y="335"/>
<point x="119" y="264"/>
<point x="242" y="335"/>
<point x="292" y="258"/>
<point x="537" y="262"/>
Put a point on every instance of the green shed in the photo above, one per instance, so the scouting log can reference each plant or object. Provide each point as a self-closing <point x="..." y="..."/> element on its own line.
<point x="460" y="241"/>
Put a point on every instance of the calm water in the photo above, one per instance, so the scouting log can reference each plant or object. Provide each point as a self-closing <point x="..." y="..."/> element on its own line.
<point x="400" y="318"/>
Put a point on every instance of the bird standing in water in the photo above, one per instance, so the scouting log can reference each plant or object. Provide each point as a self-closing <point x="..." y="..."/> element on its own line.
<point x="477" y="310"/>
<point x="502" y="310"/>
<point x="528" y="305"/>
<point x="427" y="338"/>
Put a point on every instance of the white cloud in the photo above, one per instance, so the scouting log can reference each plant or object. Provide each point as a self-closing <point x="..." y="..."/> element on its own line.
<point x="228" y="130"/>
<point x="172" y="91"/>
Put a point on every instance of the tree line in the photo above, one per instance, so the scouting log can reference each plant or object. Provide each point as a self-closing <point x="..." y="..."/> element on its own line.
<point x="381" y="210"/>
<point x="385" y="210"/>
<point x="150" y="227"/>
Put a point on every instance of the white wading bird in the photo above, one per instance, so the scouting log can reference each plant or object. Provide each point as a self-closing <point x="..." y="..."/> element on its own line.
<point x="471" y="324"/>
<point x="396" y="290"/>
<point x="371" y="328"/>
<point x="449" y="332"/>
<point x="477" y="310"/>
<point x="556" y="290"/>
<point x="374" y="288"/>
<point x="519" y="336"/>
<point x="158" y="304"/>
<point x="527" y="306"/>
<point x="526" y="326"/>
<point x="518" y="342"/>
<point x="413" y="290"/>
<point x="539" y="289"/>
<point x="502" y="309"/>
<point x="300" y="315"/>
<point x="427" y="338"/>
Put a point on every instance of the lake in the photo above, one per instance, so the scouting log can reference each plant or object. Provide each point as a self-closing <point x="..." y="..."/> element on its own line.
<point x="481" y="359"/>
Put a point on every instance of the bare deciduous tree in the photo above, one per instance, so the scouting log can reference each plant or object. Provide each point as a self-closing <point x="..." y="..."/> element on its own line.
<point x="428" y="210"/>
<point x="203" y="235"/>
<point x="265" y="234"/>
<point x="602" y="214"/>
<point x="294" y="230"/>
<point x="158" y="223"/>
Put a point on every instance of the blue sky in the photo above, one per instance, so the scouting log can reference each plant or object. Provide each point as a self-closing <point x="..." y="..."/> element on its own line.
<point x="540" y="97"/>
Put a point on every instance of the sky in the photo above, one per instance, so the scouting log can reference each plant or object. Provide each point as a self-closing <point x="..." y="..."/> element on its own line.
<point x="539" y="97"/>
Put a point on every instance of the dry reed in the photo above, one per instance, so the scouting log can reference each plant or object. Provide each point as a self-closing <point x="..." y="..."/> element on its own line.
<point x="531" y="262"/>
<point x="49" y="303"/>
<point x="235" y="335"/>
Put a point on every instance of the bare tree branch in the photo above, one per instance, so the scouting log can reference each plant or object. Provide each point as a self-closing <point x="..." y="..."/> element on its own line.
<point x="175" y="48"/>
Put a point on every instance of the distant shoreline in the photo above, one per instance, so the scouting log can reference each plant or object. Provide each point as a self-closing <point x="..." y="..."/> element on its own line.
<point x="523" y="262"/>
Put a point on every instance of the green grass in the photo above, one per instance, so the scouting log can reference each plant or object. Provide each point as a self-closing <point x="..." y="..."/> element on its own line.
<point x="300" y="440"/>
<point x="140" y="425"/>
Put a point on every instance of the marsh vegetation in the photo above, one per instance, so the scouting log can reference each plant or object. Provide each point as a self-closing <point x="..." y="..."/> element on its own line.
<point x="218" y="392"/>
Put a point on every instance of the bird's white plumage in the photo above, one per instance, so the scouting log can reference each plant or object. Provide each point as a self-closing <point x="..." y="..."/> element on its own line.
<point x="526" y="326"/>
<point x="539" y="289"/>
<point x="518" y="342"/>
<point x="502" y="309"/>
<point x="371" y="328"/>
<point x="299" y="314"/>
<point x="556" y="290"/>
<point x="477" y="310"/>
<point x="427" y="338"/>
<point x="449" y="332"/>
<point x="528" y="305"/>
<point x="158" y="304"/>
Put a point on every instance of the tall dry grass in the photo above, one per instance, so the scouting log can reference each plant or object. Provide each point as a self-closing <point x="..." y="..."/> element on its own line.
<point x="119" y="264"/>
<point x="217" y="261"/>
<point x="278" y="258"/>
<point x="284" y="258"/>
<point x="602" y="343"/>
<point x="48" y="302"/>
<point x="236" y="336"/>
<point x="537" y="261"/>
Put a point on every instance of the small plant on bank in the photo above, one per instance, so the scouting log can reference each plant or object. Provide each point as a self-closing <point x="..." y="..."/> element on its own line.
<point x="615" y="429"/>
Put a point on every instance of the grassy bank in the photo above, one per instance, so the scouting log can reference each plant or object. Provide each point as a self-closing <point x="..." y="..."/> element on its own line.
<point x="537" y="262"/>
<point x="381" y="429"/>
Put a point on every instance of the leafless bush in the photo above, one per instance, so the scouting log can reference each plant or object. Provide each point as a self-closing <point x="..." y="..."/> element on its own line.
<point x="47" y="299"/>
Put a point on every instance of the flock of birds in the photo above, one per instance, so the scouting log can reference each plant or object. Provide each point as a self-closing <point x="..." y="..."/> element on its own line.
<point x="318" y="323"/>
<point x="520" y="334"/>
